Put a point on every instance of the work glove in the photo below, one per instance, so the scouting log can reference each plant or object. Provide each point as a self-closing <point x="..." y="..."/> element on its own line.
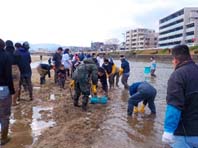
<point x="135" y="109"/>
<point x="142" y="110"/>
<point x="72" y="84"/>
<point x="121" y="71"/>
<point x="168" y="138"/>
<point x="93" y="89"/>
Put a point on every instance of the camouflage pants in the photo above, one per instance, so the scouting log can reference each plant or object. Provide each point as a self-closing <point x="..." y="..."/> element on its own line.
<point x="84" y="89"/>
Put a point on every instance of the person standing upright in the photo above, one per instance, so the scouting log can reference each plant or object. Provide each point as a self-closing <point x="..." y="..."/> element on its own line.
<point x="6" y="90"/>
<point x="181" y="119"/>
<point x="153" y="67"/>
<point x="24" y="66"/>
<point x="15" y="70"/>
<point x="66" y="61"/>
<point x="124" y="71"/>
<point x="57" y="57"/>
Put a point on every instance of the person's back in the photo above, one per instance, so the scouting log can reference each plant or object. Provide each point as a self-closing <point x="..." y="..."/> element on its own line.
<point x="6" y="90"/>
<point x="24" y="62"/>
<point x="86" y="71"/>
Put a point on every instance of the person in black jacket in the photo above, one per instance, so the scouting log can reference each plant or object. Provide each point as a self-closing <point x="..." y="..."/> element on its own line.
<point x="6" y="90"/>
<point x="103" y="79"/>
<point x="57" y="58"/>
<point x="15" y="70"/>
<point x="24" y="67"/>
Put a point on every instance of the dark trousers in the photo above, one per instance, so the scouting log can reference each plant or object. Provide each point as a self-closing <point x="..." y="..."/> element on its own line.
<point x="26" y="82"/>
<point x="145" y="93"/>
<point x="124" y="80"/>
<point x="5" y="111"/>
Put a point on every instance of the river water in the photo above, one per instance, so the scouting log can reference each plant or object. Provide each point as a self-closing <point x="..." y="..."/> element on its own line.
<point x="142" y="130"/>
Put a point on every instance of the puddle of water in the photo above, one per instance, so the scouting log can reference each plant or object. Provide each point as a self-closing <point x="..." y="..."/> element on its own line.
<point x="26" y="125"/>
<point x="52" y="97"/>
<point x="36" y="88"/>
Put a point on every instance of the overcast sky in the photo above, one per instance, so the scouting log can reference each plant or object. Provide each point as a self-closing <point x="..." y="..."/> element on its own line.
<point x="78" y="22"/>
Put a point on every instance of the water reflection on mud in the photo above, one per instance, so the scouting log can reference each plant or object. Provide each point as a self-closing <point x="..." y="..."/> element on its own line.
<point x="142" y="130"/>
<point x="26" y="125"/>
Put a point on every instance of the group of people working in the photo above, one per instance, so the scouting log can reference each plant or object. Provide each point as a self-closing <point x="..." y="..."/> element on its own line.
<point x="181" y="117"/>
<point x="15" y="72"/>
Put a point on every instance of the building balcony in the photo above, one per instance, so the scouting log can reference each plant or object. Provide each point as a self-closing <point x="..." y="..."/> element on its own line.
<point x="171" y="27"/>
<point x="171" y="34"/>
<point x="170" y="40"/>
<point x="172" y="20"/>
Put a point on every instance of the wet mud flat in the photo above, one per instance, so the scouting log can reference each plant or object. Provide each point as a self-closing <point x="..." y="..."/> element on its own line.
<point x="55" y="123"/>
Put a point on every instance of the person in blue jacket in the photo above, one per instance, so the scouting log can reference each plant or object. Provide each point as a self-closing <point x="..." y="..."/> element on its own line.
<point x="141" y="91"/>
<point x="125" y="71"/>
<point x="181" y="119"/>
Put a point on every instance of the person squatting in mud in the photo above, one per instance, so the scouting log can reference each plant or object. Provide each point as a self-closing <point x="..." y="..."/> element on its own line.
<point x="43" y="70"/>
<point x="103" y="80"/>
<point x="84" y="74"/>
<point x="141" y="91"/>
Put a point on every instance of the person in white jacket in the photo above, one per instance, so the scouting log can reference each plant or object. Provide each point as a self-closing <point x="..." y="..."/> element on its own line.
<point x="66" y="61"/>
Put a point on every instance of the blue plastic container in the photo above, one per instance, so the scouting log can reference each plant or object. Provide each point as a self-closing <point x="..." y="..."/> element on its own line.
<point x="94" y="100"/>
<point x="147" y="70"/>
<point x="103" y="100"/>
<point x="99" y="100"/>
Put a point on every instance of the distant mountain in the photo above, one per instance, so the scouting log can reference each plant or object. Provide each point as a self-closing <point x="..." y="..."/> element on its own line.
<point x="52" y="47"/>
<point x="45" y="46"/>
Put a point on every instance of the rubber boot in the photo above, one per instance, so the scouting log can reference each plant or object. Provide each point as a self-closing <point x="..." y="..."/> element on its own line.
<point x="84" y="103"/>
<point x="135" y="109"/>
<point x="76" y="103"/>
<point x="142" y="108"/>
<point x="4" y="133"/>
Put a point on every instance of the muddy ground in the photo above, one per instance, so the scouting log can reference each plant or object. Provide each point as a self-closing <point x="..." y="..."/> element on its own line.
<point x="72" y="127"/>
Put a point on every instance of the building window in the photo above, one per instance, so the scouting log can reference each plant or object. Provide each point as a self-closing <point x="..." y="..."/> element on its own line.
<point x="189" y="33"/>
<point x="190" y="25"/>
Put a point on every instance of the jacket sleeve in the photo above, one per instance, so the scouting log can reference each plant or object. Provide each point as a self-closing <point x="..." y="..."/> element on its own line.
<point x="94" y="74"/>
<point x="172" y="119"/>
<point x="8" y="75"/>
<point x="113" y="71"/>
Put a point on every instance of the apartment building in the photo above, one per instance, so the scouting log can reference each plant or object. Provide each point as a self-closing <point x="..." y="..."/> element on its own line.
<point x="141" y="38"/>
<point x="180" y="27"/>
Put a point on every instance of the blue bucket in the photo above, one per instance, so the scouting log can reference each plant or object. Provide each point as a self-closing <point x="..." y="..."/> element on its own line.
<point x="103" y="100"/>
<point x="94" y="100"/>
<point x="147" y="70"/>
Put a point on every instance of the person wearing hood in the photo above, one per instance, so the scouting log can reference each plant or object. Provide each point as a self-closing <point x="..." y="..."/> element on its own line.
<point x="84" y="74"/>
<point x="6" y="90"/>
<point x="66" y="61"/>
<point x="24" y="67"/>
<point x="15" y="70"/>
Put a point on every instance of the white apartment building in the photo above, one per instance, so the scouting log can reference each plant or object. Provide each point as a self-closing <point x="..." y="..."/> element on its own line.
<point x="141" y="38"/>
<point x="180" y="27"/>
